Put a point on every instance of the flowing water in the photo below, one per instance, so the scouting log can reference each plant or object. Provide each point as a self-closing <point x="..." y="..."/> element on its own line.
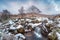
<point x="33" y="36"/>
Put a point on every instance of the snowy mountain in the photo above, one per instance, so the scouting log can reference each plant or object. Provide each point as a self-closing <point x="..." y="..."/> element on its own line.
<point x="33" y="9"/>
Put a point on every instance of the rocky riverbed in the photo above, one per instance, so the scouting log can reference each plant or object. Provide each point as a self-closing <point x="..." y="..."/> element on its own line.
<point x="30" y="29"/>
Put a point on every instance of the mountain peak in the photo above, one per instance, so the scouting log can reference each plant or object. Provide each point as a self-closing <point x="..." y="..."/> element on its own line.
<point x="33" y="9"/>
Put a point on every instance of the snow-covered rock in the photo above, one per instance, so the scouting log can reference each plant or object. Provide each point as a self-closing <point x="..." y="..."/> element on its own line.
<point x="44" y="28"/>
<point x="11" y="22"/>
<point x="16" y="19"/>
<point x="11" y="27"/>
<point x="34" y="25"/>
<point x="19" y="26"/>
<point x="1" y="35"/>
<point x="58" y="35"/>
<point x="22" y="19"/>
<point x="58" y="19"/>
<point x="39" y="19"/>
<point x="29" y="20"/>
<point x="58" y="25"/>
<point x="26" y="30"/>
<point x="50" y="21"/>
<point x="0" y="23"/>
<point x="44" y="18"/>
<point x="20" y="35"/>
<point x="8" y="37"/>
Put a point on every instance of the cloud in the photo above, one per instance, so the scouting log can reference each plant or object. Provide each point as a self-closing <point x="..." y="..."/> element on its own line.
<point x="46" y="6"/>
<point x="54" y="9"/>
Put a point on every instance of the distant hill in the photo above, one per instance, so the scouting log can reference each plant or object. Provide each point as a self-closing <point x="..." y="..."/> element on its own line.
<point x="28" y="15"/>
<point x="57" y="16"/>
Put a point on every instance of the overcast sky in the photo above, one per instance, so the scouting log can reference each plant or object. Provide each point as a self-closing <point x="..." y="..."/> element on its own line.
<point x="46" y="6"/>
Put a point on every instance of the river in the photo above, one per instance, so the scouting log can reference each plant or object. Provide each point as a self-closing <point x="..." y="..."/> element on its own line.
<point x="32" y="36"/>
